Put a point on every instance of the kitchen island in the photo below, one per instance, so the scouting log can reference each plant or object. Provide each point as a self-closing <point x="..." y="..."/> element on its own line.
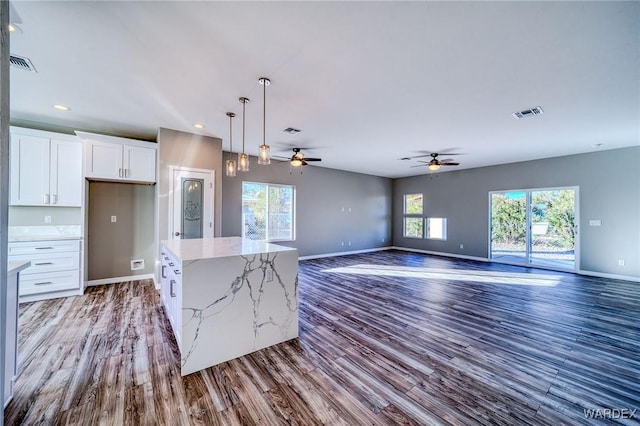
<point x="228" y="297"/>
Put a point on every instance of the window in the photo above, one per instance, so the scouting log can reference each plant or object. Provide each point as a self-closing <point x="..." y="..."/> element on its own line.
<point x="413" y="224"/>
<point x="437" y="228"/>
<point x="268" y="211"/>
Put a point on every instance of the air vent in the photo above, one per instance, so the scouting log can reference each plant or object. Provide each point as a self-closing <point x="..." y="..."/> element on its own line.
<point x="22" y="63"/>
<point x="528" y="112"/>
<point x="291" y="131"/>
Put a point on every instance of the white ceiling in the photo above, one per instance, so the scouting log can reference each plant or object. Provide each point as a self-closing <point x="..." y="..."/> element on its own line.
<point x="367" y="82"/>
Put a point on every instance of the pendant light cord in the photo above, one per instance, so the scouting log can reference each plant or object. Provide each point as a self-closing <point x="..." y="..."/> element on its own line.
<point x="244" y="104"/>
<point x="264" y="113"/>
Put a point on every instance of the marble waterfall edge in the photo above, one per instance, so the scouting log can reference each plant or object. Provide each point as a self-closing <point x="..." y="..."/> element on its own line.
<point x="236" y="305"/>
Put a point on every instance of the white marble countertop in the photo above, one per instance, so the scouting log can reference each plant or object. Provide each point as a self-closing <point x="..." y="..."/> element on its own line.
<point x="44" y="233"/>
<point x="15" y="267"/>
<point x="209" y="248"/>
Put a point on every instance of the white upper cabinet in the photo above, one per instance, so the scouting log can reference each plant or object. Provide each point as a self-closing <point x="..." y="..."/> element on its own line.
<point x="45" y="169"/>
<point x="118" y="159"/>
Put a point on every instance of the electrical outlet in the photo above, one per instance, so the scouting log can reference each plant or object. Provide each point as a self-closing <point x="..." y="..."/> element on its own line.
<point x="461" y="246"/>
<point x="137" y="264"/>
<point x="620" y="262"/>
<point x="114" y="219"/>
<point x="47" y="219"/>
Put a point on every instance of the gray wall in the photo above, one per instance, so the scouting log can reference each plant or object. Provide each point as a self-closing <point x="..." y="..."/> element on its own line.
<point x="30" y="216"/>
<point x="188" y="150"/>
<point x="112" y="246"/>
<point x="609" y="190"/>
<point x="321" y="194"/>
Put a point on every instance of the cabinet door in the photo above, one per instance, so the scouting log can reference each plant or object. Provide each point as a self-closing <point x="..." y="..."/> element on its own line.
<point x="66" y="173"/>
<point x="104" y="160"/>
<point x="139" y="164"/>
<point x="29" y="171"/>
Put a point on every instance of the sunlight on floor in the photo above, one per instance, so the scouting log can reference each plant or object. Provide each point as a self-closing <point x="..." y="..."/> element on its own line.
<point x="489" y="277"/>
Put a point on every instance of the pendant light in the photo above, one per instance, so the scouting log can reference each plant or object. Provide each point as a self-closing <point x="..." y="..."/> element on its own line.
<point x="263" y="155"/>
<point x="243" y="158"/>
<point x="230" y="164"/>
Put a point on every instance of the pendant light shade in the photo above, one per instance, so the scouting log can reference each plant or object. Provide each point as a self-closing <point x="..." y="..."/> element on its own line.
<point x="230" y="166"/>
<point x="243" y="158"/>
<point x="263" y="155"/>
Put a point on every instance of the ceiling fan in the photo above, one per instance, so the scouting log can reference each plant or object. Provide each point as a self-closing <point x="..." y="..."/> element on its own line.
<point x="434" y="164"/>
<point x="298" y="159"/>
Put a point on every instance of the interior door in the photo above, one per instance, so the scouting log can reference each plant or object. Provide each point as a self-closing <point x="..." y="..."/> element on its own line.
<point x="192" y="204"/>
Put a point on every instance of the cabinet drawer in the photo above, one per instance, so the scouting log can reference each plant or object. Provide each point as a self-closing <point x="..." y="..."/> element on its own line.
<point x="40" y="247"/>
<point x="49" y="282"/>
<point x="48" y="262"/>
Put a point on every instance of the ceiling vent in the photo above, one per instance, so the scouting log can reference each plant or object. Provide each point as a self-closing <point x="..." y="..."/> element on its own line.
<point x="22" y="63"/>
<point x="528" y="112"/>
<point x="291" y="131"/>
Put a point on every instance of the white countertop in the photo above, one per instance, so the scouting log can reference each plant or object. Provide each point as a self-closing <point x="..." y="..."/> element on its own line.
<point x="209" y="248"/>
<point x="15" y="267"/>
<point x="44" y="233"/>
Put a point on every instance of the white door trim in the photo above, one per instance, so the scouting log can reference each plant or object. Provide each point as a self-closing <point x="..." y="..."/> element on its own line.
<point x="209" y="206"/>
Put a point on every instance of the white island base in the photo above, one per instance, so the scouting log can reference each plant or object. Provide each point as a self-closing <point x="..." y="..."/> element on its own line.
<point x="228" y="297"/>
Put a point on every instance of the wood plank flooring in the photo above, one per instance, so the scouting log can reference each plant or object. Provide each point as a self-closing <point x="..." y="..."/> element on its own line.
<point x="385" y="338"/>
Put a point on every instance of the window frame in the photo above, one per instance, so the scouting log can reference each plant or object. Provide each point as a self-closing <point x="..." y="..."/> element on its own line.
<point x="267" y="186"/>
<point x="406" y="216"/>
<point x="427" y="227"/>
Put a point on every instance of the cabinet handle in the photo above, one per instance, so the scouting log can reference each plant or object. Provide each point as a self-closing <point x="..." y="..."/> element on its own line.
<point x="120" y="172"/>
<point x="54" y="199"/>
<point x="43" y="283"/>
<point x="44" y="263"/>
<point x="171" y="290"/>
<point x="126" y="172"/>
<point x="44" y="248"/>
<point x="163" y="275"/>
<point x="46" y="198"/>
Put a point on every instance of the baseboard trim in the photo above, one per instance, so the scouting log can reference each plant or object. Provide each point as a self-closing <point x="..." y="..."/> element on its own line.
<point x="611" y="276"/>
<point x="439" y="253"/>
<point x="484" y="259"/>
<point x="114" y="280"/>
<point x="343" y="253"/>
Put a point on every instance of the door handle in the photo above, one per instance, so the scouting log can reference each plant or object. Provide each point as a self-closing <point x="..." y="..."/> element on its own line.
<point x="163" y="268"/>
<point x="126" y="172"/>
<point x="43" y="263"/>
<point x="46" y="198"/>
<point x="171" y="290"/>
<point x="120" y="172"/>
<point x="54" y="198"/>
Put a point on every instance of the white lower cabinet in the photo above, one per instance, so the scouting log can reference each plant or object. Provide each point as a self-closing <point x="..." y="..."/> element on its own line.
<point x="54" y="270"/>
<point x="171" y="292"/>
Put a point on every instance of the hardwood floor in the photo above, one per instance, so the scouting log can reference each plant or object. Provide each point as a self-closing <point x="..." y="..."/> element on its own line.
<point x="385" y="338"/>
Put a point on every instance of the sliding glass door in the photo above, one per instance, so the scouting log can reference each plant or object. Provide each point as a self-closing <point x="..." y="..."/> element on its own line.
<point x="536" y="227"/>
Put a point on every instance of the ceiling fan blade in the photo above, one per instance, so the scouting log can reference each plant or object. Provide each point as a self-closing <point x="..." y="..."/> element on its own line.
<point x="425" y="162"/>
<point x="446" y="160"/>
<point x="280" y="156"/>
<point x="419" y="165"/>
<point x="442" y="163"/>
<point x="312" y="159"/>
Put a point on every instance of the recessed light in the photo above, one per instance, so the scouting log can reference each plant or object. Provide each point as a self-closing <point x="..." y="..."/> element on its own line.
<point x="13" y="28"/>
<point x="198" y="126"/>
<point x="60" y="107"/>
